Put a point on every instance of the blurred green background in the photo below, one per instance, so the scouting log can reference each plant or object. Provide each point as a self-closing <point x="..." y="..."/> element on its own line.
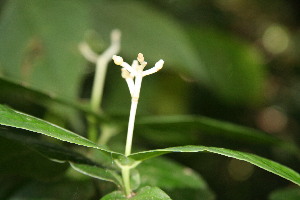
<point x="232" y="60"/>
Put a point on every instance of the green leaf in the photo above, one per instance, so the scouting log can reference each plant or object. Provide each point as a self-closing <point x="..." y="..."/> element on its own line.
<point x="152" y="193"/>
<point x="237" y="73"/>
<point x="107" y="174"/>
<point x="156" y="172"/>
<point x="60" y="109"/>
<point x="39" y="44"/>
<point x="149" y="31"/>
<point x="9" y="185"/>
<point x="58" y="190"/>
<point x="190" y="193"/>
<point x="135" y="179"/>
<point x="50" y="150"/>
<point x="178" y="181"/>
<point x="285" y="194"/>
<point x="258" y="161"/>
<point x="98" y="172"/>
<point x="11" y="89"/>
<point x="17" y="159"/>
<point x="12" y="118"/>
<point x="149" y="126"/>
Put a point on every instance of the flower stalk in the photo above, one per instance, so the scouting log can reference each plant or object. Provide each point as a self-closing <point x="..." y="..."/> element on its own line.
<point x="133" y="75"/>
<point x="101" y="62"/>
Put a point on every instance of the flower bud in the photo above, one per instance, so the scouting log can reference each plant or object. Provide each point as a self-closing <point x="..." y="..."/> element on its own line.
<point x="159" y="64"/>
<point x="141" y="58"/>
<point x="118" y="60"/>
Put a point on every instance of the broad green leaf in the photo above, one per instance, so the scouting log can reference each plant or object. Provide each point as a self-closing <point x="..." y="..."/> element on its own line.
<point x="190" y="193"/>
<point x="9" y="185"/>
<point x="135" y="179"/>
<point x="107" y="174"/>
<point x="39" y="44"/>
<point x="156" y="172"/>
<point x="10" y="89"/>
<point x="149" y="31"/>
<point x="55" y="190"/>
<point x="50" y="150"/>
<point x="258" y="161"/>
<point x="153" y="193"/>
<point x="99" y="173"/>
<point x="149" y="126"/>
<point x="12" y="118"/>
<point x="285" y="194"/>
<point x="234" y="68"/>
<point x="178" y="181"/>
<point x="19" y="160"/>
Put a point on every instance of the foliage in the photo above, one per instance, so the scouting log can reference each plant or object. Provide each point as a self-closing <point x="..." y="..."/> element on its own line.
<point x="225" y="88"/>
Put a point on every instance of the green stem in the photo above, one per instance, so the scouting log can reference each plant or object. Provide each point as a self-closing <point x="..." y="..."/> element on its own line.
<point x="126" y="180"/>
<point x="92" y="128"/>
<point x="96" y="99"/>
<point x="107" y="131"/>
<point x="98" y="84"/>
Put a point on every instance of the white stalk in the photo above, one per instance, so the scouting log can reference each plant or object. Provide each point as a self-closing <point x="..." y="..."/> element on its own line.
<point x="129" y="73"/>
<point x="98" y="84"/>
<point x="133" y="108"/>
<point x="129" y="80"/>
<point x="154" y="69"/>
<point x="101" y="67"/>
<point x="87" y="52"/>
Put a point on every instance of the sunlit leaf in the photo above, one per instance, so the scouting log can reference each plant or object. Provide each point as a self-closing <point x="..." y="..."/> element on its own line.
<point x="153" y="125"/>
<point x="258" y="161"/>
<point x="12" y="118"/>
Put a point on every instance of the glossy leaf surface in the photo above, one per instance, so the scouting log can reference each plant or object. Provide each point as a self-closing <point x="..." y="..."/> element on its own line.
<point x="151" y="126"/>
<point x="12" y="118"/>
<point x="258" y="161"/>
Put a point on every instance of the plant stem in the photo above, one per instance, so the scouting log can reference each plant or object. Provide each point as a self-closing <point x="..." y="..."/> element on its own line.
<point x="92" y="128"/>
<point x="129" y="73"/>
<point x="96" y="98"/>
<point x="133" y="108"/>
<point x="107" y="131"/>
<point x="126" y="180"/>
<point x="98" y="84"/>
<point x="130" y="128"/>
